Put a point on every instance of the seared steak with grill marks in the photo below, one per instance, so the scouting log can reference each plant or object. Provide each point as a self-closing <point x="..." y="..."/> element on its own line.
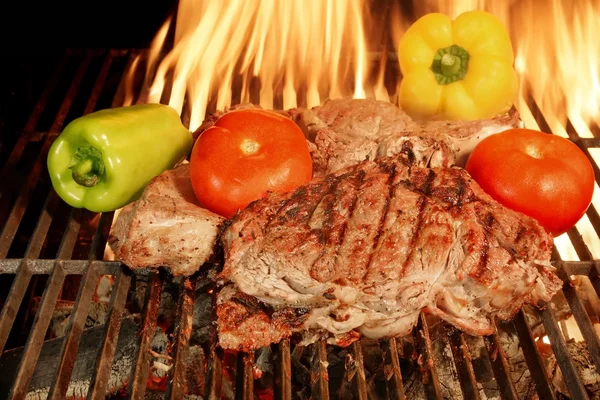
<point x="166" y="226"/>
<point x="367" y="248"/>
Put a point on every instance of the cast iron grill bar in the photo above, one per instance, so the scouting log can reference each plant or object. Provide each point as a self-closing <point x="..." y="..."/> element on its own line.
<point x="581" y="317"/>
<point x="395" y="387"/>
<point x="18" y="210"/>
<point x="34" y="247"/>
<point x="464" y="368"/>
<point x="99" y="380"/>
<point x="35" y="340"/>
<point x="584" y="254"/>
<point x="359" y="376"/>
<point x="99" y="84"/>
<point x="41" y="230"/>
<point x="71" y="342"/>
<point x="500" y="365"/>
<point x="594" y="218"/>
<point x="32" y="252"/>
<point x="213" y="374"/>
<point x="69" y="239"/>
<point x="77" y="267"/>
<point x="426" y="362"/>
<point x="579" y="245"/>
<point x="283" y="377"/>
<point x="73" y="332"/>
<point x="533" y="358"/>
<point x="15" y="297"/>
<point x="76" y="324"/>
<point x="185" y="310"/>
<point x="72" y="267"/>
<point x="319" y="374"/>
<point x="244" y="376"/>
<point x="139" y="373"/>
<point x="563" y="357"/>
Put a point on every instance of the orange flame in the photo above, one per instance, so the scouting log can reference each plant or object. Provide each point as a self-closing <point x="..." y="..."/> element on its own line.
<point x="288" y="46"/>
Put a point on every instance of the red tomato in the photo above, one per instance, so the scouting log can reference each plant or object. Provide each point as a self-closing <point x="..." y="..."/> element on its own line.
<point x="244" y="155"/>
<point x="544" y="176"/>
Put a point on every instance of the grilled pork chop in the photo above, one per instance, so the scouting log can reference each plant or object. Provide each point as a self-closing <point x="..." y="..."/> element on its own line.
<point x="346" y="131"/>
<point x="364" y="250"/>
<point x="166" y="226"/>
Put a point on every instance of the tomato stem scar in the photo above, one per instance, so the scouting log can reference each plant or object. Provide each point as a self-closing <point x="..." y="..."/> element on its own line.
<point x="533" y="152"/>
<point x="249" y="146"/>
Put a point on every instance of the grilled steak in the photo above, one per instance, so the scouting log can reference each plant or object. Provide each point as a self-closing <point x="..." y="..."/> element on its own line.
<point x="166" y="226"/>
<point x="344" y="132"/>
<point x="365" y="249"/>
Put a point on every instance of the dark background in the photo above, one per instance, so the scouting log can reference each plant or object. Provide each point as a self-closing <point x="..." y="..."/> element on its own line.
<point x="33" y="34"/>
<point x="50" y="25"/>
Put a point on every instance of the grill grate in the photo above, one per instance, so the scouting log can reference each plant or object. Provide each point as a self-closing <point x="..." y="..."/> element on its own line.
<point x="86" y="233"/>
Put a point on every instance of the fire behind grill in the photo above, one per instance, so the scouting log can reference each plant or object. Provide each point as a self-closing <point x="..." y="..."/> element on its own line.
<point x="48" y="249"/>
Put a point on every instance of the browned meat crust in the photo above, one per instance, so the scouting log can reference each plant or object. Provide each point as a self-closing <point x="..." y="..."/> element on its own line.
<point x="344" y="132"/>
<point x="166" y="227"/>
<point x="369" y="247"/>
<point x="238" y="313"/>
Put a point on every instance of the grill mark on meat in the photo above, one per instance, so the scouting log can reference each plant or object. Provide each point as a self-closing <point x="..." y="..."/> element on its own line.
<point x="252" y="305"/>
<point x="320" y="269"/>
<point x="426" y="188"/>
<point x="416" y="231"/>
<point x="381" y="224"/>
<point x="393" y="247"/>
<point x="482" y="265"/>
<point x="356" y="250"/>
<point x="522" y="230"/>
<point x="303" y="203"/>
<point x="321" y="224"/>
<point x="322" y="191"/>
<point x="291" y="317"/>
<point x="407" y="149"/>
<point x="460" y="191"/>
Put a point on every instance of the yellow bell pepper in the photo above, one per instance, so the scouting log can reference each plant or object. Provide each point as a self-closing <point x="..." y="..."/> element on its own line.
<point x="457" y="70"/>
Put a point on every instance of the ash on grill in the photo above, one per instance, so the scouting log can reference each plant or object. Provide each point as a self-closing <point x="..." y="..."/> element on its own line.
<point x="120" y="333"/>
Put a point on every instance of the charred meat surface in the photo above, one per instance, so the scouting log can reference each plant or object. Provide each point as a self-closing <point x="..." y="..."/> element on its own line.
<point x="367" y="248"/>
<point x="243" y="313"/>
<point x="344" y="132"/>
<point x="166" y="227"/>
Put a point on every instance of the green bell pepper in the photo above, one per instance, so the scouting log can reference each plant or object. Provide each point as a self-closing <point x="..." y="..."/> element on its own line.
<point x="104" y="160"/>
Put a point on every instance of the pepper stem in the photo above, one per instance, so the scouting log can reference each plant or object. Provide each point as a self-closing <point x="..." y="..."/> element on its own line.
<point x="450" y="64"/>
<point x="87" y="166"/>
